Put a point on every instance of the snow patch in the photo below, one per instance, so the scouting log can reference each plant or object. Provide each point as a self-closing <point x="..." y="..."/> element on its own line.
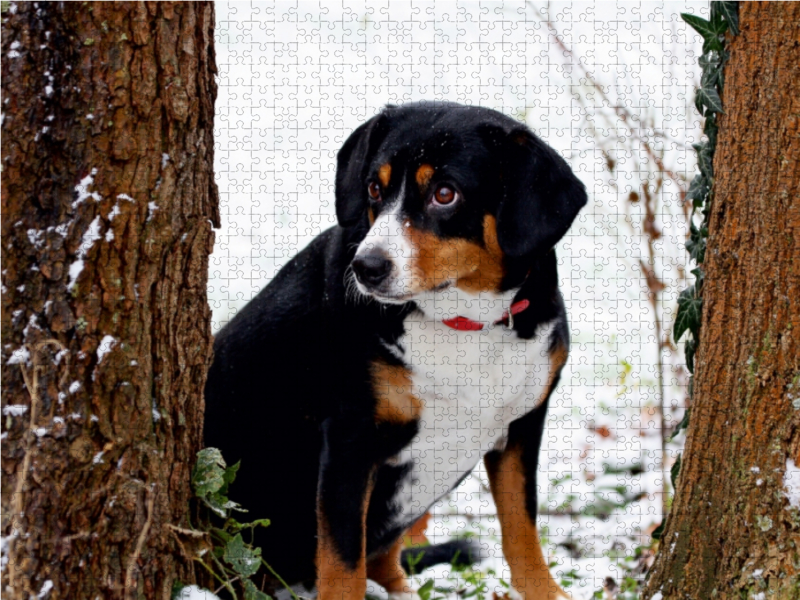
<point x="114" y="212"/>
<point x="152" y="207"/>
<point x="106" y="344"/>
<point x="755" y="470"/>
<point x="36" y="237"/>
<point x="791" y="483"/>
<point x="109" y="236"/>
<point x="20" y="356"/>
<point x="89" y="238"/>
<point x="48" y="585"/>
<point x="98" y="458"/>
<point x="125" y="197"/>
<point x="83" y="190"/>
<point x="193" y="592"/>
<point x="74" y="387"/>
<point x="164" y="160"/>
<point x="15" y="410"/>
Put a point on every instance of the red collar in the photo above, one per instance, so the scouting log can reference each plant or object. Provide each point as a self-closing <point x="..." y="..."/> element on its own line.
<point x="465" y="324"/>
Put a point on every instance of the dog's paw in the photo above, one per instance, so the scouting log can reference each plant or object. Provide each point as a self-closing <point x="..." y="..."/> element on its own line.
<point x="406" y="595"/>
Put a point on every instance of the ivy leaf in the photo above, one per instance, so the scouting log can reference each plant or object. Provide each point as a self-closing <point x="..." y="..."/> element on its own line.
<point x="681" y="426"/>
<point x="698" y="190"/>
<point x="696" y="244"/>
<point x="709" y="97"/>
<point x="730" y="12"/>
<point x="245" y="560"/>
<point x="675" y="471"/>
<point x="689" y="349"/>
<point x="689" y="309"/>
<point x="709" y="30"/>
<point x="208" y="474"/>
<point x="251" y="592"/>
<point x="659" y="531"/>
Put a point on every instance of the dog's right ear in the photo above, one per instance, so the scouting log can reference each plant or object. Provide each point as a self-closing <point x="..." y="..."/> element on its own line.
<point x="351" y="163"/>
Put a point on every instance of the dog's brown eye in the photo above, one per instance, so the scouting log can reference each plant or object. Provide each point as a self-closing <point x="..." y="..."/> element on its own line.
<point x="444" y="194"/>
<point x="374" y="190"/>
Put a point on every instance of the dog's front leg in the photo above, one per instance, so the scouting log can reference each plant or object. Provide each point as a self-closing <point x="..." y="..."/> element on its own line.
<point x="345" y="484"/>
<point x="513" y="484"/>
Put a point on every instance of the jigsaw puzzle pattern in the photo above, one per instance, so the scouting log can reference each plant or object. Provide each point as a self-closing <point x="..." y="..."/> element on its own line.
<point x="610" y="87"/>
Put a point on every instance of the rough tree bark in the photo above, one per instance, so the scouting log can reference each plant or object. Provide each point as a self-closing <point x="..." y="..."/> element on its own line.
<point x="734" y="530"/>
<point x="108" y="202"/>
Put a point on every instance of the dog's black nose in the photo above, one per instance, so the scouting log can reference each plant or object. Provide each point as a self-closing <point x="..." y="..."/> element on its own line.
<point x="371" y="269"/>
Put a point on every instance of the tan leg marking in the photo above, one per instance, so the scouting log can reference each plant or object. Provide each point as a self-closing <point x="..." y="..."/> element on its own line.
<point x="335" y="579"/>
<point x="392" y="387"/>
<point x="530" y="574"/>
<point x="386" y="570"/>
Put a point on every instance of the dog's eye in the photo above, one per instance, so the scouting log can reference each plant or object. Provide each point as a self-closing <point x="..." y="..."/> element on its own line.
<point x="445" y="195"/>
<point x="374" y="190"/>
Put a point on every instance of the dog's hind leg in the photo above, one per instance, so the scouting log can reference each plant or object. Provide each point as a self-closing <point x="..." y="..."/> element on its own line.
<point x="386" y="570"/>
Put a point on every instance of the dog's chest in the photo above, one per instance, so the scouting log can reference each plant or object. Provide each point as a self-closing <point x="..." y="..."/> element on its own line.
<point x="472" y="385"/>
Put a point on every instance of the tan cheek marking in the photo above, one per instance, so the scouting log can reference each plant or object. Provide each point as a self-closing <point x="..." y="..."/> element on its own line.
<point x="385" y="174"/>
<point x="473" y="267"/>
<point x="530" y="574"/>
<point x="392" y="387"/>
<point x="371" y="215"/>
<point x="424" y="174"/>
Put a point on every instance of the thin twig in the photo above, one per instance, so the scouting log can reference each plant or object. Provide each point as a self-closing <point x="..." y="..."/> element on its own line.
<point x="130" y="584"/>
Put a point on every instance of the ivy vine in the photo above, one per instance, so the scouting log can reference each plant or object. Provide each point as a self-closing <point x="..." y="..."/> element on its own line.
<point x="708" y="102"/>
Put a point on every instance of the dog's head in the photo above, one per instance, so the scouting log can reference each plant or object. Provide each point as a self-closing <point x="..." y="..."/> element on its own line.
<point x="454" y="195"/>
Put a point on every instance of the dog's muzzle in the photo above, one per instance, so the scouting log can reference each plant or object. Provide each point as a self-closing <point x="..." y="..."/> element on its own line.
<point x="372" y="269"/>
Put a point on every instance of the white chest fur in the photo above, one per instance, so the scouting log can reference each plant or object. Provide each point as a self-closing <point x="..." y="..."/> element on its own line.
<point x="472" y="385"/>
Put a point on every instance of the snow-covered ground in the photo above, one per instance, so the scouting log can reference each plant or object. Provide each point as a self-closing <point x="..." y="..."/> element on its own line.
<point x="296" y="78"/>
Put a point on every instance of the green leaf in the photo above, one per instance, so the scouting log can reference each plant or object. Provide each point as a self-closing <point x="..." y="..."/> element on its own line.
<point x="681" y="426"/>
<point x="425" y="590"/>
<point x="689" y="349"/>
<point x="251" y="592"/>
<point x="709" y="97"/>
<point x="230" y="473"/>
<point x="696" y="244"/>
<point x="689" y="310"/>
<point x="710" y="31"/>
<point x="730" y="12"/>
<point x="208" y="474"/>
<point x="675" y="471"/>
<point x="698" y="190"/>
<point x="244" y="559"/>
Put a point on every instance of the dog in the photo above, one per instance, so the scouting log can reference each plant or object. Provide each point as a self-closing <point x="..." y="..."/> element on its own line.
<point x="423" y="333"/>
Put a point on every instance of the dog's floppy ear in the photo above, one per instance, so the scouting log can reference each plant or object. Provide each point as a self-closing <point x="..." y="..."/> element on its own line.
<point x="541" y="195"/>
<point x="351" y="162"/>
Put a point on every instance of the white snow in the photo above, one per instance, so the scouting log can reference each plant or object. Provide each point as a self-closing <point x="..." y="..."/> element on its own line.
<point x="193" y="592"/>
<point x="48" y="90"/>
<point x="15" y="410"/>
<point x="83" y="189"/>
<point x="106" y="344"/>
<point x="151" y="208"/>
<point x="114" y="212"/>
<point x="90" y="117"/>
<point x="48" y="585"/>
<point x="791" y="483"/>
<point x="36" y="237"/>
<point x="98" y="458"/>
<point x="755" y="470"/>
<point x="164" y="160"/>
<point x="109" y="235"/>
<point x="19" y="356"/>
<point x="89" y="238"/>
<point x="74" y="387"/>
<point x="40" y="431"/>
<point x="125" y="197"/>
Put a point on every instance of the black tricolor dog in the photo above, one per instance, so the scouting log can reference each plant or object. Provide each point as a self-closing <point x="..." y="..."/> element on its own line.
<point x="424" y="332"/>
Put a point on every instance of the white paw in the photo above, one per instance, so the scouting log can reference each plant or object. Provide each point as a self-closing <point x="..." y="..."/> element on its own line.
<point x="404" y="596"/>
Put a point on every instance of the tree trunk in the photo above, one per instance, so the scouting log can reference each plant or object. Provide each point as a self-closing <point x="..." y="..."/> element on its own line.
<point x="734" y="530"/>
<point x="108" y="201"/>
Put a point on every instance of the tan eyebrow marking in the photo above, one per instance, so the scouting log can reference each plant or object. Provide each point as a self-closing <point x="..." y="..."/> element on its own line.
<point x="424" y="174"/>
<point x="385" y="174"/>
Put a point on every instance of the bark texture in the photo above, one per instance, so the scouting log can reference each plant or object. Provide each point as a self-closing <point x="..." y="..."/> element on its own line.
<point x="108" y="202"/>
<point x="733" y="531"/>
